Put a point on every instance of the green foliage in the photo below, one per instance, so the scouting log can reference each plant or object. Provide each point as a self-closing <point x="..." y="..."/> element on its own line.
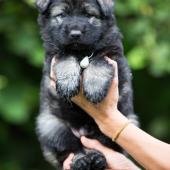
<point x="146" y="29"/>
<point x="21" y="43"/>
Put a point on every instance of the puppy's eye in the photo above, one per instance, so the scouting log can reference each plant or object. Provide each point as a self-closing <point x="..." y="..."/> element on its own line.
<point x="61" y="15"/>
<point x="59" y="18"/>
<point x="94" y="21"/>
<point x="91" y="16"/>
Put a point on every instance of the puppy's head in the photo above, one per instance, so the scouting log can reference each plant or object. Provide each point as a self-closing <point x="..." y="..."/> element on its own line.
<point x="74" y="24"/>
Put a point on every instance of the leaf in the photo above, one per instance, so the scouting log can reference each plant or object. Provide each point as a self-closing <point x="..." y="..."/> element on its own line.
<point x="137" y="58"/>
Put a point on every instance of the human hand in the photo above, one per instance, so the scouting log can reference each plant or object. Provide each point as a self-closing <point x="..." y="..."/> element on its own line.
<point x="67" y="163"/>
<point x="111" y="100"/>
<point x="109" y="103"/>
<point x="104" y="113"/>
<point x="115" y="160"/>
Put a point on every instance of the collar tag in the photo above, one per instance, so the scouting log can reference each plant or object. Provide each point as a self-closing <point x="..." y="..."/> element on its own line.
<point x="84" y="63"/>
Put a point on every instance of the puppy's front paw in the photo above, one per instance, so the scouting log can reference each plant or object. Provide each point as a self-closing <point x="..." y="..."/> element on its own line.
<point x="68" y="86"/>
<point x="97" y="79"/>
<point x="68" y="78"/>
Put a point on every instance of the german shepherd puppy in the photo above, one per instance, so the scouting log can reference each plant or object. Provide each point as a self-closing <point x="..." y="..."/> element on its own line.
<point x="72" y="31"/>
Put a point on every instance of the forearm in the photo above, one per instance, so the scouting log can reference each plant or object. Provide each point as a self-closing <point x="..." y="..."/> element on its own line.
<point x="148" y="151"/>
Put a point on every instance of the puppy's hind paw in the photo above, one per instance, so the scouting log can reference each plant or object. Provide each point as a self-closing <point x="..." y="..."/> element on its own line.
<point x="81" y="163"/>
<point x="94" y="160"/>
<point x="98" y="161"/>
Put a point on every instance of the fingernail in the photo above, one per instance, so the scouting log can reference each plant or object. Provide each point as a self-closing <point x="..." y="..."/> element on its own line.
<point x="72" y="155"/>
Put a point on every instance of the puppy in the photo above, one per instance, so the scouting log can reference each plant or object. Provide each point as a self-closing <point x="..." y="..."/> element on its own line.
<point x="78" y="34"/>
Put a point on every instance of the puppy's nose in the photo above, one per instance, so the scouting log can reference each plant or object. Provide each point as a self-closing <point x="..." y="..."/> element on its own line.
<point x="75" y="34"/>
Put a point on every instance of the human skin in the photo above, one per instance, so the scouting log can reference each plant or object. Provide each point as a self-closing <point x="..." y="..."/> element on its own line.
<point x="148" y="151"/>
<point x="115" y="160"/>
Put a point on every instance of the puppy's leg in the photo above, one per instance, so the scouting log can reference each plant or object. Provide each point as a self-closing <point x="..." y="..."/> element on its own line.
<point x="68" y="77"/>
<point x="93" y="160"/>
<point x="97" y="79"/>
<point x="80" y="162"/>
<point x="98" y="161"/>
<point x="56" y="139"/>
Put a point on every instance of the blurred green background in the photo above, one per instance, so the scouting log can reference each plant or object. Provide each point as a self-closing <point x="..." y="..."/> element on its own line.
<point x="146" y="28"/>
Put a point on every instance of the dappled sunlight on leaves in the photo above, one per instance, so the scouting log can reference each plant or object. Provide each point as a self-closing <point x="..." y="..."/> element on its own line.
<point x="148" y="31"/>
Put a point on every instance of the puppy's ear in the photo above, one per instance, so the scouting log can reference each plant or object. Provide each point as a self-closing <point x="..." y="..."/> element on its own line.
<point x="106" y="6"/>
<point x="42" y="5"/>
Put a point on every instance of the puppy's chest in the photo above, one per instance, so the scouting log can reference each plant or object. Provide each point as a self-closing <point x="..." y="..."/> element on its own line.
<point x="76" y="119"/>
<point x="80" y="132"/>
<point x="89" y="130"/>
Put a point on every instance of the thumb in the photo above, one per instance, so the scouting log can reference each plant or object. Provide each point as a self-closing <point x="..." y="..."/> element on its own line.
<point x="94" y="144"/>
<point x="67" y="163"/>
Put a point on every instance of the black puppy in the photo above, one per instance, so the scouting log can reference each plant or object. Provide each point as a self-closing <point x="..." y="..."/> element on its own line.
<point x="79" y="34"/>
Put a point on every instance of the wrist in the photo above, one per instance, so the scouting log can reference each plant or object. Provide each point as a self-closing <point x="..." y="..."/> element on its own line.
<point x="112" y="122"/>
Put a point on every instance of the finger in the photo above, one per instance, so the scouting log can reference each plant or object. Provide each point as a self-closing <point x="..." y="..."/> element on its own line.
<point x="114" y="63"/>
<point x="113" y="91"/>
<point x="68" y="162"/>
<point x="52" y="75"/>
<point x="53" y="63"/>
<point x="94" y="144"/>
<point x="52" y="83"/>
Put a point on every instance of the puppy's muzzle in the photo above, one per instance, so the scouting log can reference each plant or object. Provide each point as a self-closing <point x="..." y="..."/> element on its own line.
<point x="75" y="34"/>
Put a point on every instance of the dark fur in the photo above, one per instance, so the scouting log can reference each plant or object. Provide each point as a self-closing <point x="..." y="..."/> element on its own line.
<point x="70" y="32"/>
